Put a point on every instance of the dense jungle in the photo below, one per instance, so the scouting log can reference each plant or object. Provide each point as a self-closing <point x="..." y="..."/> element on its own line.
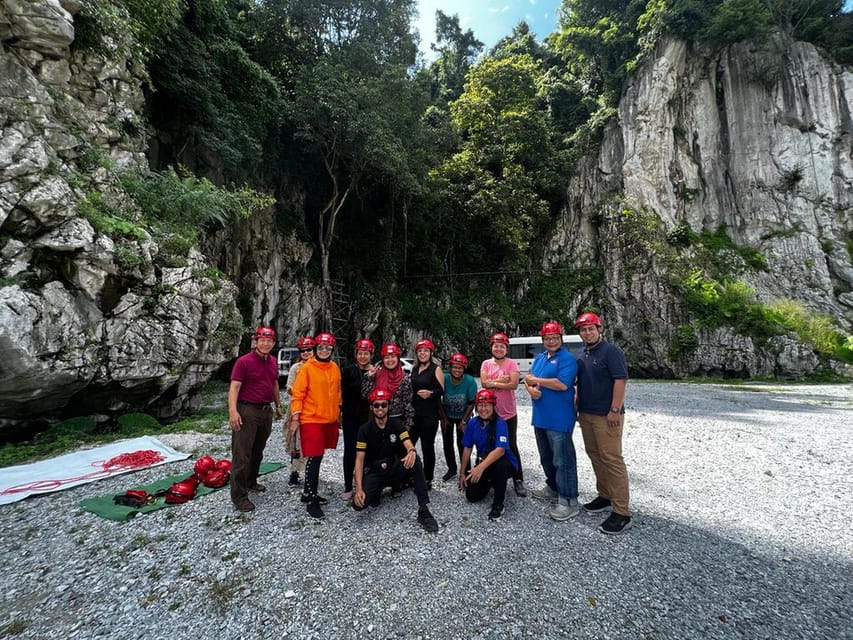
<point x="175" y="172"/>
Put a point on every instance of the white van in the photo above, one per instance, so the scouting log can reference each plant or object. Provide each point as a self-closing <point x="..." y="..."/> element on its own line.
<point x="524" y="349"/>
<point x="285" y="357"/>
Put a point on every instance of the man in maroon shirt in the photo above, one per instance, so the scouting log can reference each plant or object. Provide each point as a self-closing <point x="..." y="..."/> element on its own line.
<point x="254" y="387"/>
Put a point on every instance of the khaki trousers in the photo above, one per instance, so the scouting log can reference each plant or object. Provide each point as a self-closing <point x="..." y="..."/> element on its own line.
<point x="604" y="447"/>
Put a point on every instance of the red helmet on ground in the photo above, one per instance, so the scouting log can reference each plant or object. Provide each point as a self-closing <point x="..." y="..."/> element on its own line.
<point x="500" y="338"/>
<point x="425" y="343"/>
<point x="364" y="345"/>
<point x="586" y="319"/>
<point x="324" y="338"/>
<point x="193" y="480"/>
<point x="264" y="332"/>
<point x="305" y="343"/>
<point x="223" y="465"/>
<point x="485" y="395"/>
<point x="378" y="394"/>
<point x="203" y="466"/>
<point x="457" y="358"/>
<point x="216" y="479"/>
<point x="390" y="349"/>
<point x="551" y="327"/>
<point x="180" y="492"/>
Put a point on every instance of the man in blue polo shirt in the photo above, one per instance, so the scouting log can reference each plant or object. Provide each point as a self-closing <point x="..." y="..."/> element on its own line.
<point x="488" y="433"/>
<point x="550" y="384"/>
<point x="602" y="378"/>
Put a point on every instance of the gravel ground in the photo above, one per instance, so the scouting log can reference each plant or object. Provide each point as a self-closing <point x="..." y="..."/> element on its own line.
<point x="741" y="495"/>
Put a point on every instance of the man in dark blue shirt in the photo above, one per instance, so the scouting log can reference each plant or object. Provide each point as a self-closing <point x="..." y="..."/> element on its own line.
<point x="602" y="378"/>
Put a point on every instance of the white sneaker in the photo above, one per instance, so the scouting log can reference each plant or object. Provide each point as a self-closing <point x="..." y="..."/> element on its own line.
<point x="545" y="494"/>
<point x="563" y="512"/>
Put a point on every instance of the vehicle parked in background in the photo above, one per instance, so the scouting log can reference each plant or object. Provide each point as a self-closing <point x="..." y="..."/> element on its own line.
<point x="285" y="357"/>
<point x="525" y="348"/>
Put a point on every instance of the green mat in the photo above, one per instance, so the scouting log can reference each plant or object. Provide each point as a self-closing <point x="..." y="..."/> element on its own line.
<point x="106" y="508"/>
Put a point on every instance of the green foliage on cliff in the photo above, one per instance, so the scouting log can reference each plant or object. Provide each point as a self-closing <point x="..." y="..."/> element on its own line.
<point x="450" y="171"/>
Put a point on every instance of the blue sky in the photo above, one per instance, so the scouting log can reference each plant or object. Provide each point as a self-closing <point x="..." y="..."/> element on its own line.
<point x="490" y="20"/>
<point x="493" y="19"/>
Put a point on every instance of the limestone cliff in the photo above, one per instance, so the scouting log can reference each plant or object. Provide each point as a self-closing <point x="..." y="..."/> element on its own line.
<point x="756" y="141"/>
<point x="90" y="321"/>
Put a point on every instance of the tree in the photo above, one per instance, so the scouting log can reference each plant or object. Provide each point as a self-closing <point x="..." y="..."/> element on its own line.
<point x="457" y="50"/>
<point x="494" y="184"/>
<point x="350" y="105"/>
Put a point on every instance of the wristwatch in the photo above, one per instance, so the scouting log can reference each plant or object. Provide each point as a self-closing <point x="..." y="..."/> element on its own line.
<point x="616" y="409"/>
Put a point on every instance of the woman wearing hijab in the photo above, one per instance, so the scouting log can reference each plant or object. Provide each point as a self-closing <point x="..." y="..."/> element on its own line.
<point x="389" y="375"/>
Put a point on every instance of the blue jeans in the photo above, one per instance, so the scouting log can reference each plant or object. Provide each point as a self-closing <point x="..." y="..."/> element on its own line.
<point x="559" y="462"/>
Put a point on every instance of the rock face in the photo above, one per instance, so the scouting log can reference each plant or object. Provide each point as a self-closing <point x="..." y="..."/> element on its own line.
<point x="90" y="322"/>
<point x="759" y="141"/>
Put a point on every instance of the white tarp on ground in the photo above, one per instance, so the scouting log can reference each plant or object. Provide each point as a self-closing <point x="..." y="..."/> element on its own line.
<point x="73" y="469"/>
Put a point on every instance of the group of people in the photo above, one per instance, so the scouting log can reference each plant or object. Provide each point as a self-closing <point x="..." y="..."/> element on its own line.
<point x="383" y="413"/>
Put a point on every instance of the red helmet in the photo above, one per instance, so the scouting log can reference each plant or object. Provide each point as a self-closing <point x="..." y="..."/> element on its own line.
<point x="500" y="338"/>
<point x="264" y="332"/>
<point x="389" y="349"/>
<point x="223" y="465"/>
<point x="551" y="327"/>
<point x="180" y="492"/>
<point x="485" y="395"/>
<point x="586" y="319"/>
<point x="364" y="345"/>
<point x="378" y="394"/>
<point x="305" y="343"/>
<point x="203" y="466"/>
<point x="425" y="343"/>
<point x="324" y="338"/>
<point x="457" y="358"/>
<point x="216" y="479"/>
<point x="193" y="480"/>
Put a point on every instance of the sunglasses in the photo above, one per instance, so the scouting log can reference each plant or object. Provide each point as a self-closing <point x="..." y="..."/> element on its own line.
<point x="379" y="405"/>
<point x="324" y="347"/>
<point x="306" y="350"/>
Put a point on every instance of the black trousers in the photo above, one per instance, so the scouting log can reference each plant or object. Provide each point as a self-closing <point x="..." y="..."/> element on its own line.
<point x="392" y="474"/>
<point x="425" y="429"/>
<point x="449" y="441"/>
<point x="494" y="477"/>
<point x="350" y="429"/>
<point x="512" y="426"/>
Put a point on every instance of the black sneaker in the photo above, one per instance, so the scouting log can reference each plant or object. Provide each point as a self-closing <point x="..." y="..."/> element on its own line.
<point x="427" y="521"/>
<point x="320" y="499"/>
<point x="294" y="478"/>
<point x="598" y="505"/>
<point x="496" y="512"/>
<point x="447" y="476"/>
<point x="314" y="509"/>
<point x="615" y="523"/>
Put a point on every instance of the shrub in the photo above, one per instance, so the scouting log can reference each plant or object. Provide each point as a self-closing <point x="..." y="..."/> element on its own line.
<point x="137" y="424"/>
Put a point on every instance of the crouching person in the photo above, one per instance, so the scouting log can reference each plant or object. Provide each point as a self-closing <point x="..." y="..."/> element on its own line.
<point x="496" y="462"/>
<point x="385" y="456"/>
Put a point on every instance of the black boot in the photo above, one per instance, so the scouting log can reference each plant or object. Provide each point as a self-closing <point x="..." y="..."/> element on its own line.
<point x="314" y="509"/>
<point x="427" y="521"/>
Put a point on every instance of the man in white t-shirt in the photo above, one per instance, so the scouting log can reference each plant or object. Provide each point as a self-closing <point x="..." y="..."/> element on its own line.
<point x="500" y="374"/>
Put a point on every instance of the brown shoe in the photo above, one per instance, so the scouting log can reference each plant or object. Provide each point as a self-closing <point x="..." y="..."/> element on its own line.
<point x="244" y="505"/>
<point x="258" y="487"/>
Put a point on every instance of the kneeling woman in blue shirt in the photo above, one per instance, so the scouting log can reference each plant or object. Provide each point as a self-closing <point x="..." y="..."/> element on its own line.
<point x="496" y="462"/>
